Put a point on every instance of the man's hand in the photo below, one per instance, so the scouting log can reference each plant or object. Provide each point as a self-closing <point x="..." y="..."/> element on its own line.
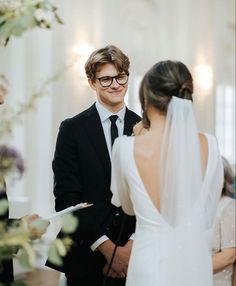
<point x="111" y="273"/>
<point x="121" y="259"/>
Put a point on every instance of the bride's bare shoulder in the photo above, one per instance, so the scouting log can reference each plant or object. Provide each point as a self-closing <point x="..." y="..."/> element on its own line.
<point x="138" y="129"/>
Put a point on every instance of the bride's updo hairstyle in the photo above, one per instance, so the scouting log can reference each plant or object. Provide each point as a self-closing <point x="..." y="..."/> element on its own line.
<point x="164" y="80"/>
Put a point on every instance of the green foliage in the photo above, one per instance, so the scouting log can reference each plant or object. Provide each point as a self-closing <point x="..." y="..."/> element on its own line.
<point x="24" y="259"/>
<point x="3" y="206"/>
<point x="59" y="247"/>
<point x="10" y="116"/>
<point x="69" y="223"/>
<point x="53" y="255"/>
<point x="18" y="16"/>
<point x="17" y="236"/>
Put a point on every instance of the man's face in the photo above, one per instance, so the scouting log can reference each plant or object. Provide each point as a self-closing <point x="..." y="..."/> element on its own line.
<point x="111" y="97"/>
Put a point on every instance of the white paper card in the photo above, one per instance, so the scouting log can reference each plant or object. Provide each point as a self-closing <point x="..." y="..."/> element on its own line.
<point x="68" y="210"/>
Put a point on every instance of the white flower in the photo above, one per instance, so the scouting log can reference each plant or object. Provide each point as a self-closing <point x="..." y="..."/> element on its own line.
<point x="9" y="5"/>
<point x="44" y="15"/>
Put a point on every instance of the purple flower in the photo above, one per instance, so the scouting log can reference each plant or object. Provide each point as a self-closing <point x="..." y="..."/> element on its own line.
<point x="11" y="161"/>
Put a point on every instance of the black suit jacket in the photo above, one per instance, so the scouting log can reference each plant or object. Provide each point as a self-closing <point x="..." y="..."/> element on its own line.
<point x="82" y="173"/>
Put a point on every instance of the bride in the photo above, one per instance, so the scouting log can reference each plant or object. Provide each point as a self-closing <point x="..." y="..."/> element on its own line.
<point x="170" y="177"/>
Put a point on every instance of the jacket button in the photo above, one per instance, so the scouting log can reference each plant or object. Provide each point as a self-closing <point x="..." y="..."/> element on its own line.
<point x="117" y="214"/>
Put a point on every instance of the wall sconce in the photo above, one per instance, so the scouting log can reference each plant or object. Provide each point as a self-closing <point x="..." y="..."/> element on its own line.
<point x="82" y="52"/>
<point x="203" y="78"/>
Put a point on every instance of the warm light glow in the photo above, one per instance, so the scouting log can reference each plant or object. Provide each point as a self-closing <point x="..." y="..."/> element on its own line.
<point x="81" y="52"/>
<point x="203" y="77"/>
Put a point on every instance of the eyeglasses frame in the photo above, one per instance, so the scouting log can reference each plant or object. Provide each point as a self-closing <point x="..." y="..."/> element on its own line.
<point x="113" y="77"/>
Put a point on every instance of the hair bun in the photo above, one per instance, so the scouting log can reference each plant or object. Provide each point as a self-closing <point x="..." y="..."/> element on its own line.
<point x="186" y="86"/>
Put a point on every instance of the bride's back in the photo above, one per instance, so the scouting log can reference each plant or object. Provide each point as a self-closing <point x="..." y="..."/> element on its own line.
<point x="160" y="84"/>
<point x="147" y="155"/>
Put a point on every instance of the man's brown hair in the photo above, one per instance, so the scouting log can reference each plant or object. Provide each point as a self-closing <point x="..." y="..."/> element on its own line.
<point x="108" y="55"/>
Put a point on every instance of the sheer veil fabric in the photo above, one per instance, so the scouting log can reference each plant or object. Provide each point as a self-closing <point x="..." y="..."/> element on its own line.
<point x="188" y="194"/>
<point x="181" y="174"/>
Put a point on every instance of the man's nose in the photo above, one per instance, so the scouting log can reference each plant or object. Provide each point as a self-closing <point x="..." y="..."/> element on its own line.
<point x="114" y="83"/>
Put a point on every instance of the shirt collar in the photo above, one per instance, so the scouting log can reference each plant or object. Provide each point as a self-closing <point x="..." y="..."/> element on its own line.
<point x="105" y="114"/>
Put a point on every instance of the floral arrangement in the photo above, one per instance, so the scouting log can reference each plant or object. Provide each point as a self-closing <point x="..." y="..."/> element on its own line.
<point x="16" y="235"/>
<point x="18" y="16"/>
<point x="11" y="162"/>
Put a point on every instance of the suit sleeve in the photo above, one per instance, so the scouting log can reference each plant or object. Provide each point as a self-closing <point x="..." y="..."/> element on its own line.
<point x="68" y="188"/>
<point x="65" y="168"/>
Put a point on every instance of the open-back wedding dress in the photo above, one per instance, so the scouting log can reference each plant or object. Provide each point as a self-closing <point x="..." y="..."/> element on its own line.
<point x="172" y="246"/>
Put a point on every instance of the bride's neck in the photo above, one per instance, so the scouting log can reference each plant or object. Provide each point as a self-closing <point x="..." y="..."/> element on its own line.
<point x="157" y="119"/>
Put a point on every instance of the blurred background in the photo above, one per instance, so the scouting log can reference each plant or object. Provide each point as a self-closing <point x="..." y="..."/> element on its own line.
<point x="50" y="63"/>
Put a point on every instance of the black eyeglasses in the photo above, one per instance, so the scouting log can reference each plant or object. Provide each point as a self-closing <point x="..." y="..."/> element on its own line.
<point x="107" y="81"/>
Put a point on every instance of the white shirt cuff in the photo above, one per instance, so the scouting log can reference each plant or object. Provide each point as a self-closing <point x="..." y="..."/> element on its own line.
<point x="98" y="242"/>
<point x="132" y="237"/>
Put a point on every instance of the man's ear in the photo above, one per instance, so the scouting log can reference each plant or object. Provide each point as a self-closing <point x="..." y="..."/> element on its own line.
<point x="92" y="84"/>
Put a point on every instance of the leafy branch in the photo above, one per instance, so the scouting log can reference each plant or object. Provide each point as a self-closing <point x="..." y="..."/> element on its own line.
<point x="10" y="116"/>
<point x="18" y="16"/>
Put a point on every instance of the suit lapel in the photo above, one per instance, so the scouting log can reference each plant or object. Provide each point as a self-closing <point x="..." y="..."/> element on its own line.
<point x="97" y="138"/>
<point x="129" y="122"/>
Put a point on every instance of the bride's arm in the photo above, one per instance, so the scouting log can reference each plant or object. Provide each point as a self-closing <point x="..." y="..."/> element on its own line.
<point x="119" y="186"/>
<point x="138" y="129"/>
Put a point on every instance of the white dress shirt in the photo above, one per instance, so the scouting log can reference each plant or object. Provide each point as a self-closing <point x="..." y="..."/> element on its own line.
<point x="104" y="115"/>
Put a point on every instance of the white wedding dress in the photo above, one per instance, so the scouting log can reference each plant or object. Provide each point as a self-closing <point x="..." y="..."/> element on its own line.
<point x="163" y="254"/>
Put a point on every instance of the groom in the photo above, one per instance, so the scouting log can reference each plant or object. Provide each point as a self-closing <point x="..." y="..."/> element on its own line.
<point x="82" y="173"/>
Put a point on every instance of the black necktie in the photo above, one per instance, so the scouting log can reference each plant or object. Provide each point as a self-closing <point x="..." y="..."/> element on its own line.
<point x="114" y="129"/>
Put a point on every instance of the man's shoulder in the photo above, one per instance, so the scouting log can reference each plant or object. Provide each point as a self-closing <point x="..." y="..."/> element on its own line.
<point x="132" y="114"/>
<point x="132" y="117"/>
